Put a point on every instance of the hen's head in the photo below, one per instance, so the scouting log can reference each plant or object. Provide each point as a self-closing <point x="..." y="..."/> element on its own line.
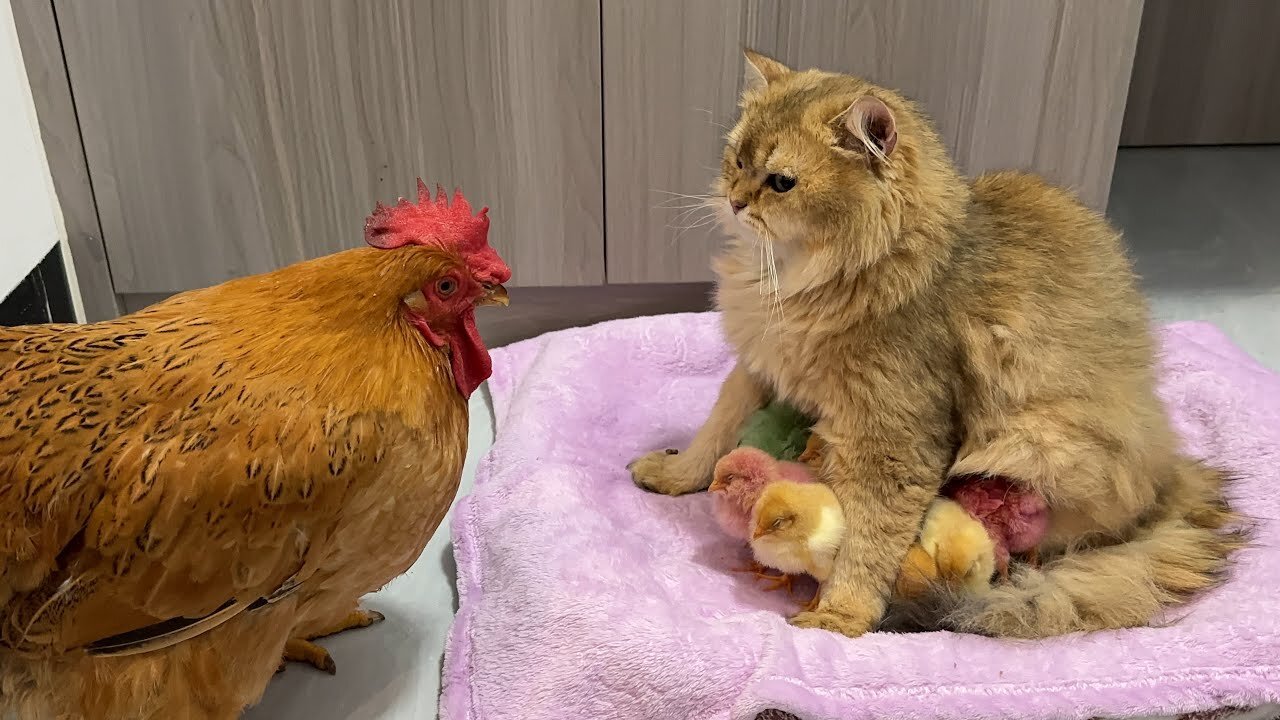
<point x="461" y="272"/>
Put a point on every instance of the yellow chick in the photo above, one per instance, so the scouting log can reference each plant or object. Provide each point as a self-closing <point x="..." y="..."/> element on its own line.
<point x="954" y="548"/>
<point x="797" y="529"/>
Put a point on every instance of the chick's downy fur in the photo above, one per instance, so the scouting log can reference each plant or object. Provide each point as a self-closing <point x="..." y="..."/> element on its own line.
<point x="1016" y="518"/>
<point x="797" y="527"/>
<point x="738" y="481"/>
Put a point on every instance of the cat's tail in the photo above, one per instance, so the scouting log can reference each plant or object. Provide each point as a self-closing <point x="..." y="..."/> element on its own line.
<point x="1181" y="551"/>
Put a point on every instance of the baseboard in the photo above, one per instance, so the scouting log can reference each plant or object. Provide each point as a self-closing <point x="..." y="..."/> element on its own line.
<point x="534" y="311"/>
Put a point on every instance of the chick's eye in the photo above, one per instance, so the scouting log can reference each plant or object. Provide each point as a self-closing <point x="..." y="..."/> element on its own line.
<point x="739" y="161"/>
<point x="777" y="523"/>
<point x="446" y="286"/>
<point x="780" y="183"/>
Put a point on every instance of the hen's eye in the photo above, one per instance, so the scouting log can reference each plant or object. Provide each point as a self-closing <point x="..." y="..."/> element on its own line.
<point x="739" y="161"/>
<point x="780" y="183"/>
<point x="446" y="286"/>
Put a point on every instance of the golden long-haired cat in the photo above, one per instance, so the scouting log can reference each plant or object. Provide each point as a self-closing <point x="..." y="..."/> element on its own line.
<point x="938" y="328"/>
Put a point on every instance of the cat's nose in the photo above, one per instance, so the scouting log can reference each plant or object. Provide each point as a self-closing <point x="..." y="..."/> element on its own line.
<point x="737" y="206"/>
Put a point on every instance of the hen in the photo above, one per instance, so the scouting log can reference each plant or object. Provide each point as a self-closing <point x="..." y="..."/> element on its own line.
<point x="190" y="493"/>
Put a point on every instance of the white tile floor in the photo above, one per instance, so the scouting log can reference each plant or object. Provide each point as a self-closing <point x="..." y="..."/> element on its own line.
<point x="1204" y="225"/>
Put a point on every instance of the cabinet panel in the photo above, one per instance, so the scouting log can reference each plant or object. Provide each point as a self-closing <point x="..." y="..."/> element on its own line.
<point x="1207" y="72"/>
<point x="226" y="138"/>
<point x="1039" y="86"/>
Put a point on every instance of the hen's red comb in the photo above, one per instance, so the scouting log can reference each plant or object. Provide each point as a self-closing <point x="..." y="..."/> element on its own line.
<point x="429" y="222"/>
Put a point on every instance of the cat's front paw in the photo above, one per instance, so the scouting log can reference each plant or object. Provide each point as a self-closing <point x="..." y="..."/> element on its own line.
<point x="824" y="619"/>
<point x="668" y="472"/>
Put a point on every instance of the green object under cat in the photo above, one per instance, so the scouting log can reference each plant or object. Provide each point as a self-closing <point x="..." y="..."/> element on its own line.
<point x="778" y="429"/>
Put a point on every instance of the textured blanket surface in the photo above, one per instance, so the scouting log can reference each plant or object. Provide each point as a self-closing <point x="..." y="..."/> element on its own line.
<point x="584" y="597"/>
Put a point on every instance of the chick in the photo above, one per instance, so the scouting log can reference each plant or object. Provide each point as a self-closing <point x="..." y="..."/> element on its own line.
<point x="1015" y="516"/>
<point x="797" y="528"/>
<point x="739" y="479"/>
<point x="954" y="548"/>
<point x="737" y="482"/>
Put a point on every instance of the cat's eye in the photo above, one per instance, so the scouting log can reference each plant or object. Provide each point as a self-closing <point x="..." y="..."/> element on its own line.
<point x="446" y="286"/>
<point x="780" y="183"/>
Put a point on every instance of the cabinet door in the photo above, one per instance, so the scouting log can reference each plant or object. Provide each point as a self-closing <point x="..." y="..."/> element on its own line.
<point x="226" y="138"/>
<point x="1207" y="72"/>
<point x="1034" y="85"/>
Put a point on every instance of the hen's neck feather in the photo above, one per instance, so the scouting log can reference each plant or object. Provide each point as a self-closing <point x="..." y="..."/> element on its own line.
<point x="334" y="324"/>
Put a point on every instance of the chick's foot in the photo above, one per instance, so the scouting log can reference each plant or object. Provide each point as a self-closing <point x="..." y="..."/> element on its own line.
<point x="752" y="568"/>
<point x="778" y="582"/>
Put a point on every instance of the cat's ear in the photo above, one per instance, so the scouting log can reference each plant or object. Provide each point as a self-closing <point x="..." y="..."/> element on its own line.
<point x="870" y="122"/>
<point x="760" y="70"/>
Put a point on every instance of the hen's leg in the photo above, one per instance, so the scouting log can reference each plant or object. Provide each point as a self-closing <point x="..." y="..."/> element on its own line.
<point x="299" y="650"/>
<point x="358" y="618"/>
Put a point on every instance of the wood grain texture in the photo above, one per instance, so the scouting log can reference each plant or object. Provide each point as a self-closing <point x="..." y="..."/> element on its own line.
<point x="60" y="133"/>
<point x="227" y="138"/>
<point x="1038" y="86"/>
<point x="1207" y="73"/>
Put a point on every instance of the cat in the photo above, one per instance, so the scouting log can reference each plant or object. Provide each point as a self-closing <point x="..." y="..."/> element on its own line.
<point x="937" y="328"/>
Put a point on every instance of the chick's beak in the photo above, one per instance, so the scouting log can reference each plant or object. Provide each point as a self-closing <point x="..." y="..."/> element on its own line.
<point x="494" y="295"/>
<point x="759" y="533"/>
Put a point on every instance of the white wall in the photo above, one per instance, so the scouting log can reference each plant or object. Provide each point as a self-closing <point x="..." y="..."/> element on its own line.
<point x="30" y="218"/>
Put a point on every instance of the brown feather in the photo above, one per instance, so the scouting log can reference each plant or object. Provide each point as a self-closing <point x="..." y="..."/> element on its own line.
<point x="208" y="449"/>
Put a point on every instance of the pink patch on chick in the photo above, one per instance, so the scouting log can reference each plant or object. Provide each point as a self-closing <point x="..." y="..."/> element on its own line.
<point x="1016" y="517"/>
<point x="739" y="479"/>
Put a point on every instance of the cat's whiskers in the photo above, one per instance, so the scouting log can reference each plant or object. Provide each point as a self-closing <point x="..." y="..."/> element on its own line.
<point x="777" y="285"/>
<point x="760" y="274"/>
<point x="704" y="221"/>
<point x="685" y="218"/>
<point x="676" y="196"/>
<point x="712" y="120"/>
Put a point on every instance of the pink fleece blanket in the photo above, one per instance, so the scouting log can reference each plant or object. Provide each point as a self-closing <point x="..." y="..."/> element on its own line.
<point x="584" y="597"/>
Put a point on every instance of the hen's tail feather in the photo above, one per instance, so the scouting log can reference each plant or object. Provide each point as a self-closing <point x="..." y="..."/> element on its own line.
<point x="1182" y="551"/>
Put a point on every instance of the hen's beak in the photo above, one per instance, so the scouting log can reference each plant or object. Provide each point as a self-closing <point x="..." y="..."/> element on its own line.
<point x="494" y="295"/>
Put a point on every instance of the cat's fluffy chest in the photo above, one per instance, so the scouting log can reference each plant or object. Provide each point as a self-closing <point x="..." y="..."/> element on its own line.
<point x="788" y="360"/>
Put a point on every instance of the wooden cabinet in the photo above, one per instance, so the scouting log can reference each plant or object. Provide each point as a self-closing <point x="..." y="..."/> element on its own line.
<point x="232" y="137"/>
<point x="1207" y="72"/>
<point x="223" y="137"/>
<point x="1033" y="85"/>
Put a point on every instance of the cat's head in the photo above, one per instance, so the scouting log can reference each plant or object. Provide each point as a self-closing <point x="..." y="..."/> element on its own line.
<point x="827" y="171"/>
